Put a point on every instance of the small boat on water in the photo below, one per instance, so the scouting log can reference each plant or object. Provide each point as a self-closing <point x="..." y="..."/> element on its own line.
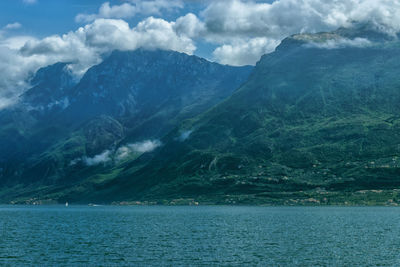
<point x="66" y="204"/>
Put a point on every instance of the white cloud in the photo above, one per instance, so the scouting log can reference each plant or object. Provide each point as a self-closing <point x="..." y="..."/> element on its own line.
<point x="285" y="17"/>
<point x="85" y="46"/>
<point x="128" y="10"/>
<point x="339" y="43"/>
<point x="190" y="26"/>
<point x="158" y="33"/>
<point x="112" y="155"/>
<point x="140" y="147"/>
<point x="98" y="159"/>
<point x="236" y="24"/>
<point x="145" y="146"/>
<point x="21" y="56"/>
<point x="16" y="42"/>
<point x="14" y="70"/>
<point x="244" y="52"/>
<point x="122" y="153"/>
<point x="242" y="30"/>
<point x="106" y="11"/>
<point x="12" y="26"/>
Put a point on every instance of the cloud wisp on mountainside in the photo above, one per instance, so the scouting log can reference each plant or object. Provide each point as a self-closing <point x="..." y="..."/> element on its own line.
<point x="239" y="31"/>
<point x="122" y="153"/>
<point x="340" y="43"/>
<point x="125" y="151"/>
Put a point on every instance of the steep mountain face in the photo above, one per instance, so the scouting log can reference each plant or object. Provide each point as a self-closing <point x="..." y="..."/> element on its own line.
<point x="152" y="85"/>
<point x="129" y="97"/>
<point x="51" y="88"/>
<point x="317" y="121"/>
<point x="22" y="126"/>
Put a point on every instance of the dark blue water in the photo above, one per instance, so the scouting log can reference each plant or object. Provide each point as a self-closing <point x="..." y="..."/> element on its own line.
<point x="192" y="236"/>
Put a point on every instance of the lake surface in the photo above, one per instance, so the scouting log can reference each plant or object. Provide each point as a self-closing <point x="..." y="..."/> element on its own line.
<point x="193" y="236"/>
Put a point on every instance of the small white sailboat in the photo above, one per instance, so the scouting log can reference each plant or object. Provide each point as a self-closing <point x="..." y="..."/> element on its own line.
<point x="66" y="204"/>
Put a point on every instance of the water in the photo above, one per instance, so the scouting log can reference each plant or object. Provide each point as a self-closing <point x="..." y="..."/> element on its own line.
<point x="192" y="236"/>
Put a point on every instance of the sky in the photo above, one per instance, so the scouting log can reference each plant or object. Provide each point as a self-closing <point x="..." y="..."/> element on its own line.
<point x="37" y="33"/>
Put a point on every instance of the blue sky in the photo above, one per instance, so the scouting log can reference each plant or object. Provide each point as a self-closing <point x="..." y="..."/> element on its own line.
<point x="45" y="17"/>
<point x="48" y="17"/>
<point x="37" y="33"/>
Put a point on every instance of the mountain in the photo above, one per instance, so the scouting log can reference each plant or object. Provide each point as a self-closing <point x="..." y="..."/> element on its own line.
<point x="149" y="89"/>
<point x="51" y="87"/>
<point x="130" y="97"/>
<point x="316" y="123"/>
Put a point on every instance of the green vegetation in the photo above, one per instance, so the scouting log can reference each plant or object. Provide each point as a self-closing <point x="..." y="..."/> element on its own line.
<point x="308" y="121"/>
<point x="311" y="126"/>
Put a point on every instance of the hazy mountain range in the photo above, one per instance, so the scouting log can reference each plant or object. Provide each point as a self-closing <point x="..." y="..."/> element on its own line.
<point x="316" y="121"/>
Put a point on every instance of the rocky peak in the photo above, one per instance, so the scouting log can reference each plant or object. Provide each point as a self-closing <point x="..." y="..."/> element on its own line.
<point x="51" y="87"/>
<point x="129" y="82"/>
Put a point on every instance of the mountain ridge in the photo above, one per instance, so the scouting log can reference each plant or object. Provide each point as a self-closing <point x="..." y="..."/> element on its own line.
<point x="311" y="122"/>
<point x="71" y="133"/>
<point x="315" y="123"/>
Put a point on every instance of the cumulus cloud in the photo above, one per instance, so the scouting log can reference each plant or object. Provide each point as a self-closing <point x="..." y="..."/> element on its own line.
<point x="85" y="46"/>
<point x="189" y="25"/>
<point x="106" y="11"/>
<point x="241" y="30"/>
<point x="21" y="56"/>
<point x="285" y="17"/>
<point x="244" y="52"/>
<point x="14" y="70"/>
<point x="128" y="10"/>
<point x="158" y="33"/>
<point x="15" y="42"/>
<point x="238" y="25"/>
<point x="140" y="147"/>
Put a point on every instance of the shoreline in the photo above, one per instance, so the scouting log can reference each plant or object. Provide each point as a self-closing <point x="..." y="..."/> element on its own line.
<point x="199" y="205"/>
<point x="298" y="198"/>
